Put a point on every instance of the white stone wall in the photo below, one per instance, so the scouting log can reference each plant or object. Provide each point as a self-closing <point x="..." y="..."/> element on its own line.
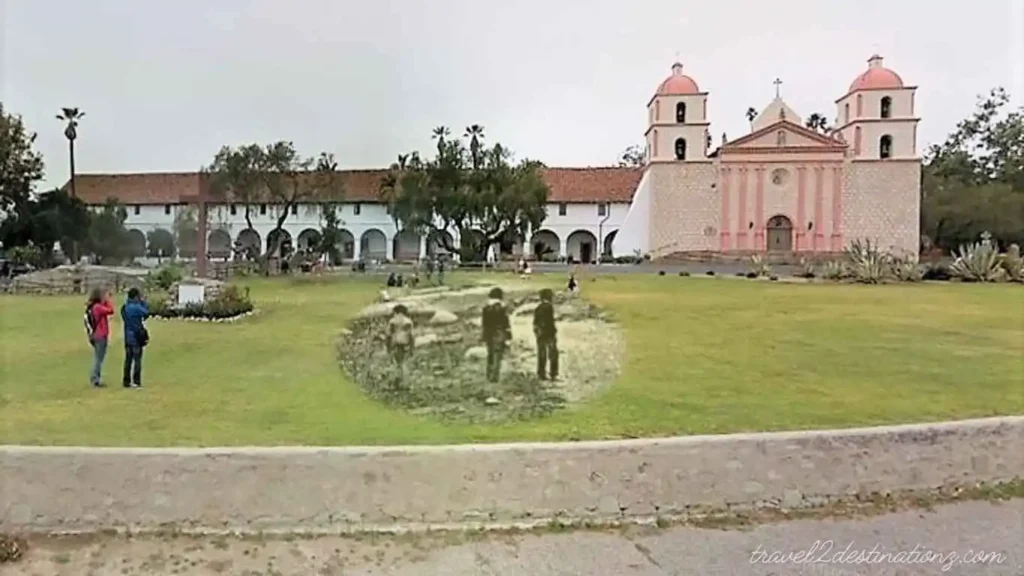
<point x="882" y="203"/>
<point x="352" y="489"/>
<point x="685" y="207"/>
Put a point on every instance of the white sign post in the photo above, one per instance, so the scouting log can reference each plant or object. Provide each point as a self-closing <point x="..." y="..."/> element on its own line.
<point x="191" y="294"/>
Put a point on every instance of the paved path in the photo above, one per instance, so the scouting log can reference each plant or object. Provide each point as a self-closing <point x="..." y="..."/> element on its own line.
<point x="956" y="529"/>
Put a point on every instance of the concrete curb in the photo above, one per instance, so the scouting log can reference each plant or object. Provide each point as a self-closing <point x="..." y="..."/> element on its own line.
<point x="357" y="489"/>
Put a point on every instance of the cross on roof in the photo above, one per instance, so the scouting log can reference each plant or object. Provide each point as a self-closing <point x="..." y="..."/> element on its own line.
<point x="778" y="85"/>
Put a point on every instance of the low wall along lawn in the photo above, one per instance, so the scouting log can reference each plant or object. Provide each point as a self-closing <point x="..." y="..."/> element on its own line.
<point x="352" y="489"/>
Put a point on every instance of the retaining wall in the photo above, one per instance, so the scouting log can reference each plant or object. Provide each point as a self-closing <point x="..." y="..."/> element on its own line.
<point x="328" y="489"/>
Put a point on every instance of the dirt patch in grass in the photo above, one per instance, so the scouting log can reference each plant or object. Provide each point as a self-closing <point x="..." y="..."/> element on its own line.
<point x="445" y="375"/>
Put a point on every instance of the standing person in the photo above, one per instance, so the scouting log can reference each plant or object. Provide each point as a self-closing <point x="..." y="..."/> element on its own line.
<point x="440" y="271"/>
<point x="573" y="284"/>
<point x="400" y="339"/>
<point x="133" y="313"/>
<point x="546" y="333"/>
<point x="496" y="332"/>
<point x="431" y="261"/>
<point x="97" y="327"/>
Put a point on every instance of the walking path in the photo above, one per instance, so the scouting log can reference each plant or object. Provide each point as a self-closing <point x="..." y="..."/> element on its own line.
<point x="974" y="537"/>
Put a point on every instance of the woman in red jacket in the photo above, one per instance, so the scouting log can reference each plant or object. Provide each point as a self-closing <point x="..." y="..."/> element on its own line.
<point x="98" y="311"/>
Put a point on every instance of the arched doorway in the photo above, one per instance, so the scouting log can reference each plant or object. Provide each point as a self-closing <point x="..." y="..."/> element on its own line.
<point x="373" y="245"/>
<point x="136" y="243"/>
<point x="609" y="238"/>
<point x="279" y="243"/>
<point x="581" y="246"/>
<point x="160" y="244"/>
<point x="545" y="244"/>
<point x="218" y="244"/>
<point x="780" y="234"/>
<point x="309" y="239"/>
<point x="407" y="245"/>
<point x="248" y="244"/>
<point x="346" y="245"/>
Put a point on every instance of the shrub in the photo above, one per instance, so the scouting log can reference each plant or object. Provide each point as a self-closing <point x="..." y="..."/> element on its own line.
<point x="164" y="277"/>
<point x="978" y="262"/>
<point x="232" y="301"/>
<point x="759" y="265"/>
<point x="906" y="270"/>
<point x="710" y="272"/>
<point x="1013" y="263"/>
<point x="868" y="264"/>
<point x="661" y="272"/>
<point x="773" y="278"/>
<point x="808" y="268"/>
<point x="834" y="270"/>
<point x="751" y="275"/>
<point x="937" y="271"/>
<point x="684" y="273"/>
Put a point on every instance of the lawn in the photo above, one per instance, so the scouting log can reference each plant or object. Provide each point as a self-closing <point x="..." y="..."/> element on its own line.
<point x="703" y="356"/>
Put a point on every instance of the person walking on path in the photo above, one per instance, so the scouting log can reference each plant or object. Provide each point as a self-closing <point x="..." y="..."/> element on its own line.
<point x="546" y="333"/>
<point x="98" y="311"/>
<point x="134" y="313"/>
<point x="400" y="338"/>
<point x="496" y="332"/>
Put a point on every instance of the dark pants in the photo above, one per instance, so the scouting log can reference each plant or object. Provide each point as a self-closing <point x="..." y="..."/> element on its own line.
<point x="132" y="365"/>
<point x="495" y="353"/>
<point x="547" y="357"/>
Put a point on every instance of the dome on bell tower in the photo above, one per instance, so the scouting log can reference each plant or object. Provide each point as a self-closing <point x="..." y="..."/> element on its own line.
<point x="678" y="84"/>
<point x="877" y="77"/>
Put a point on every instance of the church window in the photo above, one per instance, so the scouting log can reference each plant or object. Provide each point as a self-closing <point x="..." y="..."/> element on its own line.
<point x="681" y="112"/>
<point x="138" y="209"/>
<point x="856" y="141"/>
<point x="860" y="105"/>
<point x="167" y="208"/>
<point x="885" y="107"/>
<point x="885" y="147"/>
<point x="846" y="113"/>
<point x="263" y="209"/>
<point x="561" y="209"/>
<point x="233" y="209"/>
<point x="681" y="149"/>
<point x="779" y="176"/>
<point x="657" y="110"/>
<point x="602" y="209"/>
<point x="780" y="138"/>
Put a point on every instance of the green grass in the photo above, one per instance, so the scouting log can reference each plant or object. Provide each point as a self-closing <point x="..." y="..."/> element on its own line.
<point x="703" y="356"/>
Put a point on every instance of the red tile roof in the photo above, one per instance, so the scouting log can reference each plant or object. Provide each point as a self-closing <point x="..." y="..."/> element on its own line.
<point x="609" y="184"/>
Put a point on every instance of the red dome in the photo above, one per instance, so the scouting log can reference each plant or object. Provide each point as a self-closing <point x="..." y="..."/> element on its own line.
<point x="877" y="77"/>
<point x="678" y="84"/>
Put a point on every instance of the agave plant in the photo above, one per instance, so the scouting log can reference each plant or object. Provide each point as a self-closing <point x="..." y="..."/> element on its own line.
<point x="1013" y="263"/>
<point x="834" y="270"/>
<point x="807" y="268"/>
<point x="868" y="264"/>
<point x="759" y="266"/>
<point x="906" y="270"/>
<point x="978" y="262"/>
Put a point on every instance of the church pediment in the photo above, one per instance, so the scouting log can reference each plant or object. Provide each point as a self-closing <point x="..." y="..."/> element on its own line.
<point x="784" y="134"/>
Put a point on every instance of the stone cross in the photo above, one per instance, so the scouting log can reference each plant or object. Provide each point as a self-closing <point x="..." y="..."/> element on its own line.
<point x="778" y="85"/>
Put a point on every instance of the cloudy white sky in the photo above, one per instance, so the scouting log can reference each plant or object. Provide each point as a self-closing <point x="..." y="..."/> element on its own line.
<point x="166" y="83"/>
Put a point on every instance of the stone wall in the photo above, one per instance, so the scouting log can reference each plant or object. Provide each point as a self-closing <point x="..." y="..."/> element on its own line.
<point x="883" y="203"/>
<point x="339" y="489"/>
<point x="685" y="207"/>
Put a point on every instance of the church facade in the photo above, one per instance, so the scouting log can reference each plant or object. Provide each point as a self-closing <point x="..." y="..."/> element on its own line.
<point x="783" y="187"/>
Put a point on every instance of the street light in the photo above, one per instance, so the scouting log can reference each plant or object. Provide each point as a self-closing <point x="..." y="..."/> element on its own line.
<point x="71" y="116"/>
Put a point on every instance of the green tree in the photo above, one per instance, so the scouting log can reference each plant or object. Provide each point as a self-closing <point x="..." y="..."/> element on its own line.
<point x="108" y="239"/>
<point x="817" y="122"/>
<point x="53" y="217"/>
<point x="21" y="167"/>
<point x="234" y="177"/>
<point x="160" y="244"/>
<point x="751" y="114"/>
<point x="974" y="181"/>
<point x="466" y="186"/>
<point x="633" y="157"/>
<point x="186" y="230"/>
<point x="330" y="234"/>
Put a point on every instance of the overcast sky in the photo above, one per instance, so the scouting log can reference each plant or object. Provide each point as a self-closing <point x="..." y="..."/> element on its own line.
<point x="166" y="83"/>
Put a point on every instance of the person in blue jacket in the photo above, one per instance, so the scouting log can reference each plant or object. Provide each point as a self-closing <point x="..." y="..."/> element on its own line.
<point x="133" y="313"/>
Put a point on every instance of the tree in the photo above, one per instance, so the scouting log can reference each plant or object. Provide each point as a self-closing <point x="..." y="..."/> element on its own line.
<point x="71" y="116"/>
<point x="973" y="182"/>
<point x="234" y="176"/>
<point x="160" y="244"/>
<point x="21" y="167"/>
<point x="54" y="217"/>
<point x="817" y="122"/>
<point x="633" y="157"/>
<point x="186" y="230"/>
<point x="751" y="114"/>
<point x="330" y="234"/>
<point x="108" y="239"/>
<point x="471" y="188"/>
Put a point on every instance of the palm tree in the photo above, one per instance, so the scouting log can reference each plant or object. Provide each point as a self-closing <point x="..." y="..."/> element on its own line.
<point x="71" y="116"/>
<point x="475" y="133"/>
<point x="751" y="114"/>
<point x="817" y="122"/>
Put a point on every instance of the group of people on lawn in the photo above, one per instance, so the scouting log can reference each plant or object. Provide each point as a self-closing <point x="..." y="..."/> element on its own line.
<point x="98" y="310"/>
<point x="496" y="334"/>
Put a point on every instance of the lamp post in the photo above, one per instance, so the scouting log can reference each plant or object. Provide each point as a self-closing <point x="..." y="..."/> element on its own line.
<point x="71" y="116"/>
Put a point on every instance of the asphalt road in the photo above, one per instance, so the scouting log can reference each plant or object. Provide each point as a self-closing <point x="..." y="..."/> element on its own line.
<point x="962" y="539"/>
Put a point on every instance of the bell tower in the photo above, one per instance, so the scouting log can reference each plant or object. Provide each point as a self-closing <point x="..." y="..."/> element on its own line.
<point x="876" y="116"/>
<point x="677" y="126"/>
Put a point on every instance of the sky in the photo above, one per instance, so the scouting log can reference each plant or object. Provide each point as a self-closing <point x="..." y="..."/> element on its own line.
<point x="165" y="84"/>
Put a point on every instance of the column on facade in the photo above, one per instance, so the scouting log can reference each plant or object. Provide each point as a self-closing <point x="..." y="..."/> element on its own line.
<point x="726" y="177"/>
<point x="389" y="248"/>
<point x="742" y="230"/>
<point x="818" y="241"/>
<point x="423" y="246"/>
<point x="837" y="208"/>
<point x="526" y="242"/>
<point x="801" y="201"/>
<point x="759" y="240"/>
<point x="357" y="246"/>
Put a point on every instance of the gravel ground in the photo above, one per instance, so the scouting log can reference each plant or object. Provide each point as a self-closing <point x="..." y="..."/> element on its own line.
<point x="952" y="531"/>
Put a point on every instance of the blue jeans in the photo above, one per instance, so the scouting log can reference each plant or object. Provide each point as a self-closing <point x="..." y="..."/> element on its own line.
<point x="99" y="352"/>
<point x="132" y="365"/>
